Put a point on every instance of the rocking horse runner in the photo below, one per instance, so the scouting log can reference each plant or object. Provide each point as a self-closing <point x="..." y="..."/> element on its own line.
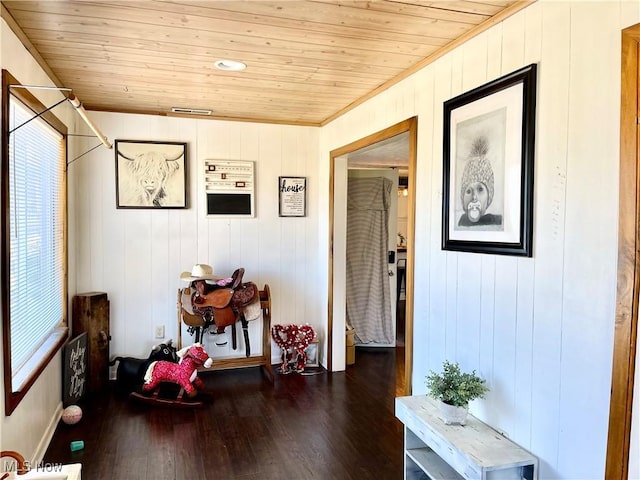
<point x="216" y="303"/>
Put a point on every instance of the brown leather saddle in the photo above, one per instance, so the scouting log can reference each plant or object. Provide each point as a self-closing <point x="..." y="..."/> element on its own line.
<point x="221" y="306"/>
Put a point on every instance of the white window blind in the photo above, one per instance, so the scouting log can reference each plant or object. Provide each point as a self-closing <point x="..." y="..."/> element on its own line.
<point x="36" y="226"/>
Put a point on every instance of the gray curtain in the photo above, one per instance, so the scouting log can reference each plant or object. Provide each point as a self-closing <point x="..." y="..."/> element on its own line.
<point x="368" y="292"/>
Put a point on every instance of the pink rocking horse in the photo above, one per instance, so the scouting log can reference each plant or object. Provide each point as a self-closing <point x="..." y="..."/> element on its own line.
<point x="184" y="373"/>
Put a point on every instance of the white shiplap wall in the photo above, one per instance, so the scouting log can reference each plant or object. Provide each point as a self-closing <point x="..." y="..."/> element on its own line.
<point x="136" y="256"/>
<point x="540" y="330"/>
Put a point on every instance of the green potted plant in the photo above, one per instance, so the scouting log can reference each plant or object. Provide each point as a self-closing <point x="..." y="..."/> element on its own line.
<point x="455" y="389"/>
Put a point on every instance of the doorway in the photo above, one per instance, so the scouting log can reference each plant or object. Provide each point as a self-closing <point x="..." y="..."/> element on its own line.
<point x="406" y="132"/>
<point x="371" y="251"/>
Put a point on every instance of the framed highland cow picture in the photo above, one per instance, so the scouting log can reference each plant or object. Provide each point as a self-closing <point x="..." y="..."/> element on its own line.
<point x="488" y="160"/>
<point x="151" y="174"/>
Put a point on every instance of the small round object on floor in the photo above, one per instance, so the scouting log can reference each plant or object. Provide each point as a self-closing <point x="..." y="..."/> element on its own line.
<point x="72" y="414"/>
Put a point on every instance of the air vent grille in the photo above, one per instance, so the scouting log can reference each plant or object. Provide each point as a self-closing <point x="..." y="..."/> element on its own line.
<point x="191" y="111"/>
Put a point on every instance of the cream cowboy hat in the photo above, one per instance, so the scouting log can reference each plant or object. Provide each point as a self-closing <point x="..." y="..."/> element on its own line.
<point x="200" y="271"/>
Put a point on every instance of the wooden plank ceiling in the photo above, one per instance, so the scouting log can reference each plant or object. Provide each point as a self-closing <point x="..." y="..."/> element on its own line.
<point x="308" y="61"/>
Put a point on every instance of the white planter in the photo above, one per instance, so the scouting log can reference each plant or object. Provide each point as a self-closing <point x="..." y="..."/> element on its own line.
<point x="453" y="415"/>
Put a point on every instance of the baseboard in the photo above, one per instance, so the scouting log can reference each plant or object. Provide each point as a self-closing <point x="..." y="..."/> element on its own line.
<point x="47" y="436"/>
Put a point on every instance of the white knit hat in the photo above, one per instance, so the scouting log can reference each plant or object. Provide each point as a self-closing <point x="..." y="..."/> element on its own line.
<point x="478" y="168"/>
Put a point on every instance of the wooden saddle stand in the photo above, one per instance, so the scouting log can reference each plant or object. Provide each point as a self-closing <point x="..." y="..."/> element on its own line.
<point x="223" y="306"/>
<point x="214" y="310"/>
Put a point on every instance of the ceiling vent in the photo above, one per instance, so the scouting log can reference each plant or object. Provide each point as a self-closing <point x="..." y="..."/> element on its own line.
<point x="191" y="111"/>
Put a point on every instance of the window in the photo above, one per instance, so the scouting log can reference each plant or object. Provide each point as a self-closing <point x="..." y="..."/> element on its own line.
<point x="34" y="292"/>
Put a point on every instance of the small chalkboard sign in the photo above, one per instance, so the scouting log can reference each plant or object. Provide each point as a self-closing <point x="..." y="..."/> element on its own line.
<point x="74" y="382"/>
<point x="230" y="187"/>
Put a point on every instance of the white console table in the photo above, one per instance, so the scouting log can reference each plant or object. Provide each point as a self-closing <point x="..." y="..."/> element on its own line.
<point x="436" y="451"/>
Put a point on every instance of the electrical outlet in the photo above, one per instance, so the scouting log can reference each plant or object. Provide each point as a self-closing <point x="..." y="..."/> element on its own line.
<point x="159" y="331"/>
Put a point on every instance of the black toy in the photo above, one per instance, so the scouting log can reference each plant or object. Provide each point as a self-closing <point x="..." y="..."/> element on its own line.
<point x="131" y="371"/>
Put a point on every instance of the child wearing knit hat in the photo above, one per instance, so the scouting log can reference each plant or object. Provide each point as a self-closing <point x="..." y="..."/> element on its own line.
<point x="477" y="187"/>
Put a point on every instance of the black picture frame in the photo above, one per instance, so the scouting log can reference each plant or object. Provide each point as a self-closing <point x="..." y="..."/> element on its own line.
<point x="488" y="166"/>
<point x="292" y="196"/>
<point x="151" y="174"/>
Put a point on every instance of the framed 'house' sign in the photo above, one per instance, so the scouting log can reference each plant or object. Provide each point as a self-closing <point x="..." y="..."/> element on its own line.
<point x="292" y="192"/>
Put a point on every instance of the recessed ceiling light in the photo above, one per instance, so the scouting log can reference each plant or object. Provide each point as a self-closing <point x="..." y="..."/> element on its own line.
<point x="230" y="65"/>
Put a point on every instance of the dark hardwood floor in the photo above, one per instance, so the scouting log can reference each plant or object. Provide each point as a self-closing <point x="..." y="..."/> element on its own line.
<point x="325" y="426"/>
